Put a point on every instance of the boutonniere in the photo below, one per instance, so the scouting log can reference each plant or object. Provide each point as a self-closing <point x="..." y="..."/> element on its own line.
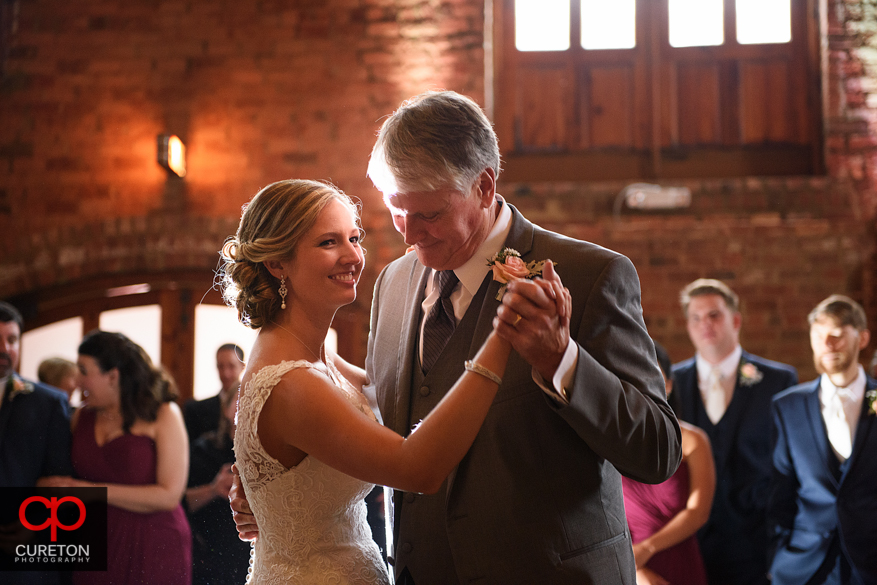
<point x="871" y="397"/>
<point x="19" y="386"/>
<point x="507" y="266"/>
<point x="749" y="374"/>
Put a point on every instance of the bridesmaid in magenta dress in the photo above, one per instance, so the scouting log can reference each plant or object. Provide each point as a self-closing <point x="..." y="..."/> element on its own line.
<point x="130" y="438"/>
<point x="664" y="518"/>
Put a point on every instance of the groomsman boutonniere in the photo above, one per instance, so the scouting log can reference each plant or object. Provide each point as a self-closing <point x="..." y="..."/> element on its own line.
<point x="507" y="265"/>
<point x="749" y="374"/>
<point x="18" y="386"/>
<point x="871" y="397"/>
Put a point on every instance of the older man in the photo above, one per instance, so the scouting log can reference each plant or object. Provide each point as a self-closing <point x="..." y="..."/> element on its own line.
<point x="727" y="392"/>
<point x="823" y="504"/>
<point x="538" y="497"/>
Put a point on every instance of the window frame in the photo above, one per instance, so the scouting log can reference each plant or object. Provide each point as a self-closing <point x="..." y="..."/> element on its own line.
<point x="655" y="150"/>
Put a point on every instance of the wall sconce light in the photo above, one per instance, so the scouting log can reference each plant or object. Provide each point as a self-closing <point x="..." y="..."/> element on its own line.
<point x="172" y="154"/>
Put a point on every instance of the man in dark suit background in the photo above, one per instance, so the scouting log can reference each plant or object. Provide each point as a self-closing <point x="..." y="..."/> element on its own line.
<point x="34" y="417"/>
<point x="538" y="497"/>
<point x="823" y="497"/>
<point x="727" y="392"/>
<point x="34" y="431"/>
<point x="203" y="416"/>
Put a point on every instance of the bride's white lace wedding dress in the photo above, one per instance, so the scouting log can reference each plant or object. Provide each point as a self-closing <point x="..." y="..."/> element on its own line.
<point x="312" y="518"/>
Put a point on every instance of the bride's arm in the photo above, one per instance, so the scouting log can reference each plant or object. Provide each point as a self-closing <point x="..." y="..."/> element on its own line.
<point x="306" y="412"/>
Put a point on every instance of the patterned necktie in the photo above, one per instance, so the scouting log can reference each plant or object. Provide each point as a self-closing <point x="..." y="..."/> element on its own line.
<point x="440" y="322"/>
<point x="838" y="426"/>
<point x="715" y="397"/>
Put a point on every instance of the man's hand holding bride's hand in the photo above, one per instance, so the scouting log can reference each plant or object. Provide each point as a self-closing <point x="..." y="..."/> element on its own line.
<point x="244" y="520"/>
<point x="534" y="318"/>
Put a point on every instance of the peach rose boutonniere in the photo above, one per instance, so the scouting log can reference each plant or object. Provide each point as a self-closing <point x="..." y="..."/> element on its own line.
<point x="19" y="386"/>
<point x="750" y="374"/>
<point x="871" y="397"/>
<point x="507" y="265"/>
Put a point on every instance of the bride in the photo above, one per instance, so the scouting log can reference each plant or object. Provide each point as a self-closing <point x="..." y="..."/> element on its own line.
<point x="307" y="445"/>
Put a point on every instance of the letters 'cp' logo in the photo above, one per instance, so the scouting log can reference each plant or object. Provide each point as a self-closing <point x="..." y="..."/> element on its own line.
<point x="53" y="521"/>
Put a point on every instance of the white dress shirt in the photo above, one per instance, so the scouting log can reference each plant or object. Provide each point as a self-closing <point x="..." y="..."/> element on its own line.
<point x="727" y="372"/>
<point x="471" y="275"/>
<point x="841" y="408"/>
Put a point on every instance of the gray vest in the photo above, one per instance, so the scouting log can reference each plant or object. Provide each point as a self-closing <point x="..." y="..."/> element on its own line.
<point x="421" y="539"/>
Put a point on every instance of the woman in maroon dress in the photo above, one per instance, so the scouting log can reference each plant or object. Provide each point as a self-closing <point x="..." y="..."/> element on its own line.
<point x="130" y="438"/>
<point x="664" y="518"/>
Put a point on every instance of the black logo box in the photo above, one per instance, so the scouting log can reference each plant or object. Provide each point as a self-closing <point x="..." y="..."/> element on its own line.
<point x="28" y="545"/>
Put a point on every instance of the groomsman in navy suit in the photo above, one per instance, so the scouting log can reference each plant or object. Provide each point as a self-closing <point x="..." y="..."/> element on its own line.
<point x="727" y="392"/>
<point x="823" y="496"/>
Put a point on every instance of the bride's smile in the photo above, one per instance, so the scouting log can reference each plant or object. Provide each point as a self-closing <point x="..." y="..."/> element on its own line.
<point x="328" y="261"/>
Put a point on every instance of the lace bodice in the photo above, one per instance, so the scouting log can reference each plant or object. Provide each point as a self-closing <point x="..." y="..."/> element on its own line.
<point x="312" y="518"/>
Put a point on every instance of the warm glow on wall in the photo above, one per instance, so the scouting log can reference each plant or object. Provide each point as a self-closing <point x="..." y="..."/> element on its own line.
<point x="172" y="154"/>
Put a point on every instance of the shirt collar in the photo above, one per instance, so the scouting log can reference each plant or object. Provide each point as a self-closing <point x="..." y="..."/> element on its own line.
<point x="471" y="274"/>
<point x="727" y="367"/>
<point x="856" y="388"/>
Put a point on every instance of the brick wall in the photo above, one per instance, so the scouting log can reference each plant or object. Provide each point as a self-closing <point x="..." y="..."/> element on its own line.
<point x="267" y="90"/>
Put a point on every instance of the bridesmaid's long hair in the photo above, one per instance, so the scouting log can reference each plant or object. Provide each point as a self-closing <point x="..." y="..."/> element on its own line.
<point x="143" y="387"/>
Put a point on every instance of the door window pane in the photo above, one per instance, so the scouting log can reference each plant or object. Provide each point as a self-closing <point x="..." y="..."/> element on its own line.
<point x="764" y="21"/>
<point x="542" y="25"/>
<point x="59" y="339"/>
<point x="696" y="23"/>
<point x="608" y="25"/>
<point x="142" y="325"/>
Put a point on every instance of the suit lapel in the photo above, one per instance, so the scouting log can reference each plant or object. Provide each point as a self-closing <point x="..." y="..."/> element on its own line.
<point x="520" y="238"/>
<point x="864" y="429"/>
<point x="398" y="400"/>
<point x="816" y="427"/>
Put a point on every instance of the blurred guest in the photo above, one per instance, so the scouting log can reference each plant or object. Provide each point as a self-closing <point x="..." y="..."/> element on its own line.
<point x="727" y="392"/>
<point x="203" y="416"/>
<point x="34" y="433"/>
<point x="823" y="497"/>
<point x="664" y="518"/>
<point x="60" y="373"/>
<point x="218" y="555"/>
<point x="130" y="439"/>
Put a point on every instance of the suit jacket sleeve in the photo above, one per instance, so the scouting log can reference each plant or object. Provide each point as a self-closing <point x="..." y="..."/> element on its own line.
<point x="57" y="459"/>
<point x="617" y="403"/>
<point x="783" y="492"/>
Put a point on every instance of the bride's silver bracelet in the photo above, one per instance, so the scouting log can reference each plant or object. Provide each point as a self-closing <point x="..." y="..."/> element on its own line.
<point x="482" y="371"/>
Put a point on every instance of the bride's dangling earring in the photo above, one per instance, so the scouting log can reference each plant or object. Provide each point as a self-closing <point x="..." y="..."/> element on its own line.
<point x="282" y="292"/>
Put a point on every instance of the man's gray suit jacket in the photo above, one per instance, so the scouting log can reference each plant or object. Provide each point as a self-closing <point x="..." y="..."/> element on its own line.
<point x="538" y="498"/>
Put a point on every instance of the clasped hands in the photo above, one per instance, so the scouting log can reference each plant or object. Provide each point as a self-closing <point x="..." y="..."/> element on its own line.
<point x="534" y="317"/>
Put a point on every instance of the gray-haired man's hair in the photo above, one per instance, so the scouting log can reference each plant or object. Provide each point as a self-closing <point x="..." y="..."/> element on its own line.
<point x="435" y="140"/>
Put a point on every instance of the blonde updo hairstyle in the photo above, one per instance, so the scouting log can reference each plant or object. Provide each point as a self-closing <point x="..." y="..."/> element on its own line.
<point x="272" y="225"/>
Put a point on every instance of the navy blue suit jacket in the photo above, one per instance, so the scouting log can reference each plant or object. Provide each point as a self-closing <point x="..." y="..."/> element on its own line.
<point x="814" y="500"/>
<point x="34" y="436"/>
<point x="734" y="539"/>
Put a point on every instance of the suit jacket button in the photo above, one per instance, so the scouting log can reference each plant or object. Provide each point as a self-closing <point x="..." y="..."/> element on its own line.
<point x="409" y="497"/>
<point x="424" y="390"/>
<point x="407" y="547"/>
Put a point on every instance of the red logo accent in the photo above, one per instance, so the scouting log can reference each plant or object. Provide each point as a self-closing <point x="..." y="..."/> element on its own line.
<point x="53" y="519"/>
